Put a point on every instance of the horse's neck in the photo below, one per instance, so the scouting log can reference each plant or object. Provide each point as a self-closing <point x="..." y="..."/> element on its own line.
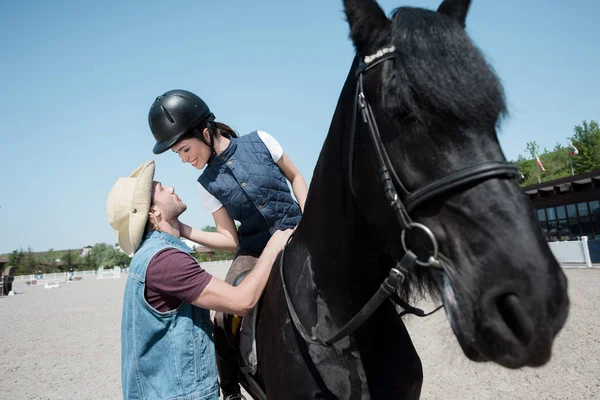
<point x="330" y="219"/>
<point x="334" y="243"/>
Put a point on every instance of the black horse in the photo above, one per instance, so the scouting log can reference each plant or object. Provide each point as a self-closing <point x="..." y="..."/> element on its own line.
<point x="411" y="195"/>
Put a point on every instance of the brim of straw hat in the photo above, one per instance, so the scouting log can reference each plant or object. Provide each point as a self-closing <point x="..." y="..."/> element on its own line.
<point x="130" y="198"/>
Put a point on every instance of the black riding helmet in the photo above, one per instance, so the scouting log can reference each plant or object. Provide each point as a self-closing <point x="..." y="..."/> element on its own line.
<point x="175" y="113"/>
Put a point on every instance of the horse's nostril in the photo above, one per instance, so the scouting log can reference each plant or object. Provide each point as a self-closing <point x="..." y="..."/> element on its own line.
<point x="515" y="317"/>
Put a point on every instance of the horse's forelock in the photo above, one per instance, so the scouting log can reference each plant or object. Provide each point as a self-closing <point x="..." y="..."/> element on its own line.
<point x="440" y="73"/>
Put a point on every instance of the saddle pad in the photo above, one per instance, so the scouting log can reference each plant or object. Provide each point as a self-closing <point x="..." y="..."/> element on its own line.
<point x="248" y="343"/>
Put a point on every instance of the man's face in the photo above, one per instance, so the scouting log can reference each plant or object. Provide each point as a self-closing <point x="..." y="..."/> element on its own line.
<point x="165" y="200"/>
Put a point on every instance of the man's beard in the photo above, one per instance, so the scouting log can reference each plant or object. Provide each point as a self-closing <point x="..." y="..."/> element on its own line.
<point x="174" y="211"/>
<point x="180" y="209"/>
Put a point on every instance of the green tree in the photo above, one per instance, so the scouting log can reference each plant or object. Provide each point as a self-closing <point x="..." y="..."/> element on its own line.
<point x="107" y="256"/>
<point x="30" y="262"/>
<point x="558" y="147"/>
<point x="122" y="259"/>
<point x="99" y="255"/>
<point x="533" y="148"/>
<point x="587" y="141"/>
<point x="89" y="262"/>
<point x="16" y="259"/>
<point x="69" y="261"/>
<point x="114" y="257"/>
<point x="49" y="256"/>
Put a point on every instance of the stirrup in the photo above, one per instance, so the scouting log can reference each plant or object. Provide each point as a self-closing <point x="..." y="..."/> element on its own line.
<point x="238" y="396"/>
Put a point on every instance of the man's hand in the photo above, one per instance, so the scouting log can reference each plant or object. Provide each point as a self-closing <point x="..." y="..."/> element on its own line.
<point x="279" y="240"/>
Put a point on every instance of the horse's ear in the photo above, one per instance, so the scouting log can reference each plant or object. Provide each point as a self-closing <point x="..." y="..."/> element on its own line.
<point x="368" y="25"/>
<point x="456" y="9"/>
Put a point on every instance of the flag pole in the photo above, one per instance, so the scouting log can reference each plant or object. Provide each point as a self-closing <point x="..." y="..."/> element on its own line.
<point x="538" y="161"/>
<point x="572" y="153"/>
<point x="571" y="162"/>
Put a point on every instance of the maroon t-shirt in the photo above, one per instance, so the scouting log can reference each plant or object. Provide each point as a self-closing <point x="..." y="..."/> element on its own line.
<point x="173" y="277"/>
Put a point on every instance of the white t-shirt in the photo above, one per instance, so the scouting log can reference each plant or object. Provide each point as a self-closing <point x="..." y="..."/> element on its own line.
<point x="210" y="203"/>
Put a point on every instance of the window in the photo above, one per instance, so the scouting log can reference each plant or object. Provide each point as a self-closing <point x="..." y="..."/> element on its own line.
<point x="570" y="222"/>
<point x="553" y="230"/>
<point x="574" y="228"/>
<point x="595" y="212"/>
<point x="586" y="227"/>
<point x="595" y="207"/>
<point x="563" y="230"/>
<point x="541" y="215"/>
<point x="560" y="212"/>
<point x="544" y="226"/>
<point x="583" y="209"/>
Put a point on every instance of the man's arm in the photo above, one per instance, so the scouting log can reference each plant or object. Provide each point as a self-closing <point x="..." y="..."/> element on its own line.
<point x="240" y="300"/>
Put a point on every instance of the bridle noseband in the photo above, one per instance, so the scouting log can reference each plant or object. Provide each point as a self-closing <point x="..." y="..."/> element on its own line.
<point x="402" y="205"/>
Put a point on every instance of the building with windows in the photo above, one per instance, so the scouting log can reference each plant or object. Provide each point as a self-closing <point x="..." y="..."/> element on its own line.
<point x="568" y="208"/>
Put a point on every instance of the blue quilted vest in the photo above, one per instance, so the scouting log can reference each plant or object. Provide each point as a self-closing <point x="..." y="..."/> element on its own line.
<point x="252" y="188"/>
<point x="164" y="355"/>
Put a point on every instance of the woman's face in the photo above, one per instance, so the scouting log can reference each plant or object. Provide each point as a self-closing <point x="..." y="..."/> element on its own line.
<point x="192" y="151"/>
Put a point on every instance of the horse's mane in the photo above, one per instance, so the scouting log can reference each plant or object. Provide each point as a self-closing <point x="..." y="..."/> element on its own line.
<point x="440" y="75"/>
<point x="439" y="79"/>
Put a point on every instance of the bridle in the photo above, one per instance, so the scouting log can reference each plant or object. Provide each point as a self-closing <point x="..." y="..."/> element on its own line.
<point x="402" y="205"/>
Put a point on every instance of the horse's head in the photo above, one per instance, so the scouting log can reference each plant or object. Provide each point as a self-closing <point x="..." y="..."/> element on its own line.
<point x="437" y="104"/>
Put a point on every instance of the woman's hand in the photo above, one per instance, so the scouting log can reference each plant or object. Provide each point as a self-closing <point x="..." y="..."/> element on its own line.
<point x="184" y="230"/>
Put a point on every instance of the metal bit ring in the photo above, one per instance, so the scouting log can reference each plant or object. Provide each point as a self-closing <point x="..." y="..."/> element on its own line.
<point x="433" y="259"/>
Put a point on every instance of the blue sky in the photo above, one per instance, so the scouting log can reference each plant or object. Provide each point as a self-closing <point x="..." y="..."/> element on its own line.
<point x="78" y="77"/>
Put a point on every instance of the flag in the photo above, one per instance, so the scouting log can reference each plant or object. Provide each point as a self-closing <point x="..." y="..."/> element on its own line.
<point x="539" y="163"/>
<point x="572" y="149"/>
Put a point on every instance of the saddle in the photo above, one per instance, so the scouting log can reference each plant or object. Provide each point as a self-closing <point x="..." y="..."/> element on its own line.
<point x="241" y="333"/>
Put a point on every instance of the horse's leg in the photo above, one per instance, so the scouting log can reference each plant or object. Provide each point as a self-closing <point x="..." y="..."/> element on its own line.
<point x="394" y="369"/>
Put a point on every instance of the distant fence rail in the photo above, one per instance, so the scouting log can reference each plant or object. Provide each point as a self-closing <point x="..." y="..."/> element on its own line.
<point x="64" y="276"/>
<point x="573" y="253"/>
<point x="215" y="263"/>
<point x="55" y="275"/>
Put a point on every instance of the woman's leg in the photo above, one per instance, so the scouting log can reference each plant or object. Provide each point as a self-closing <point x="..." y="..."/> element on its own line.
<point x="227" y="358"/>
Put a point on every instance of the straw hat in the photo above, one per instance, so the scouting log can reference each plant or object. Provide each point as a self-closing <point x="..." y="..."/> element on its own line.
<point x="128" y="206"/>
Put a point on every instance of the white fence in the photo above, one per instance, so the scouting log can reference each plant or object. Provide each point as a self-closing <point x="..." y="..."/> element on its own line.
<point x="54" y="276"/>
<point x="108" y="273"/>
<point x="58" y="276"/>
<point x="220" y="263"/>
<point x="100" y="273"/>
<point x="573" y="252"/>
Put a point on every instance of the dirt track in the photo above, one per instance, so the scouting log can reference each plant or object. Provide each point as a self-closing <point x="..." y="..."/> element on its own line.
<point x="64" y="344"/>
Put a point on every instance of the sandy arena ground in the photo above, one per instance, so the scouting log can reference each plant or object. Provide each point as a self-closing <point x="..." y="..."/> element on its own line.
<point x="63" y="343"/>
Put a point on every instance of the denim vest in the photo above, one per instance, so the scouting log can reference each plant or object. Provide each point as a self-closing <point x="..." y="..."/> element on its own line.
<point x="246" y="180"/>
<point x="164" y="355"/>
